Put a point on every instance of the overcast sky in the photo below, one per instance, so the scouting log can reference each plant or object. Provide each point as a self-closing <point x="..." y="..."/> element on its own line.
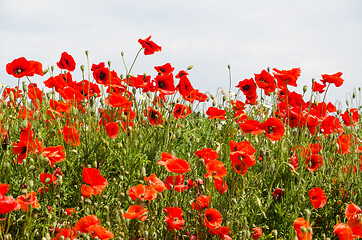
<point x="320" y="37"/>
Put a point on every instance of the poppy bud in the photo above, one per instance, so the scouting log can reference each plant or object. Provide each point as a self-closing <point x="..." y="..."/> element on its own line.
<point x="214" y="103"/>
<point x="308" y="212"/>
<point x="12" y="97"/>
<point x="95" y="164"/>
<point x="60" y="180"/>
<point x="303" y="229"/>
<point x="24" y="124"/>
<point x="52" y="68"/>
<point x="315" y="102"/>
<point x="224" y="98"/>
<point x="122" y="53"/>
<point x="354" y="94"/>
<point x="31" y="168"/>
<point x="258" y="202"/>
<point x="82" y="68"/>
<point x="190" y="67"/>
<point x="305" y="88"/>
<point x="347" y="102"/>
<point x="229" y="66"/>
<point x="45" y="71"/>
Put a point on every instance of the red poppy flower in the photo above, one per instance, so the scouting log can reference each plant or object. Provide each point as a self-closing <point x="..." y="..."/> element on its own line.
<point x="278" y="193"/>
<point x="287" y="77"/>
<point x="100" y="232"/>
<point x="244" y="146"/>
<point x="251" y="126"/>
<point x="180" y="111"/>
<point x="164" y="69"/>
<point x="201" y="203"/>
<point x="112" y="130"/>
<point x="195" y="95"/>
<point x="165" y="84"/>
<point x="343" y="231"/>
<point x="214" y="112"/>
<point x="176" y="183"/>
<point x="56" y="82"/>
<point x="274" y="128"/>
<point x="174" y="218"/>
<point x="330" y="125"/>
<point x="220" y="185"/>
<point x="240" y="161"/>
<point x="213" y="218"/>
<point x="298" y="224"/>
<point x="65" y="233"/>
<point x="177" y="165"/>
<point x="334" y="78"/>
<point x="7" y="204"/>
<point x="117" y="100"/>
<point x="350" y="117"/>
<point x="84" y="223"/>
<point x="184" y="86"/>
<point x="149" y="46"/>
<point x="317" y="197"/>
<point x="27" y="200"/>
<point x="47" y="178"/>
<point x="26" y="146"/>
<point x="248" y="87"/>
<point x="223" y="232"/>
<point x="165" y="157"/>
<point x="317" y="87"/>
<point x="207" y="154"/>
<point x="58" y="106"/>
<point x="142" y="192"/>
<point x="69" y="211"/>
<point x="294" y="161"/>
<point x="70" y="135"/>
<point x="155" y="183"/>
<point x="344" y="143"/>
<point x="352" y="211"/>
<point x="215" y="169"/>
<point x="93" y="177"/>
<point x="87" y="89"/>
<point x="256" y="233"/>
<point x="154" y="116"/>
<point x="356" y="227"/>
<point x="138" y="82"/>
<point x="136" y="211"/>
<point x="316" y="162"/>
<point x="265" y="81"/>
<point x="21" y="67"/>
<point x="54" y="154"/>
<point x="66" y="62"/>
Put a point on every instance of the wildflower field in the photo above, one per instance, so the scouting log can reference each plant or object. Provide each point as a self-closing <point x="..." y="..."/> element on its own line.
<point x="120" y="156"/>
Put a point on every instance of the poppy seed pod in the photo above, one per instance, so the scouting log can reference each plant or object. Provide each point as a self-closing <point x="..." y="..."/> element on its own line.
<point x="305" y="88"/>
<point x="82" y="68"/>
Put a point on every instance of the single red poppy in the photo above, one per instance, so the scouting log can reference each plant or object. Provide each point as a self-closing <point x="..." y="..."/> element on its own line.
<point x="174" y="218"/>
<point x="333" y="78"/>
<point x="154" y="116"/>
<point x="70" y="94"/>
<point x="240" y="161"/>
<point x="66" y="62"/>
<point x="215" y="169"/>
<point x="27" y="200"/>
<point x="149" y="46"/>
<point x="177" y="166"/>
<point x="278" y="193"/>
<point x="287" y="77"/>
<point x="317" y="87"/>
<point x="248" y="87"/>
<point x="214" y="112"/>
<point x="165" y="84"/>
<point x="155" y="183"/>
<point x="316" y="162"/>
<point x="164" y="69"/>
<point x="112" y="130"/>
<point x="251" y="126"/>
<point x="265" y="81"/>
<point x="195" y="94"/>
<point x="356" y="227"/>
<point x="69" y="211"/>
<point x="256" y="233"/>
<point x="213" y="218"/>
<point x="136" y="211"/>
<point x="331" y="124"/>
<point x="344" y="143"/>
<point x="352" y="211"/>
<point x="317" y="197"/>
<point x="184" y="86"/>
<point x="298" y="224"/>
<point x="142" y="192"/>
<point x="223" y="232"/>
<point x="177" y="183"/>
<point x="244" y="146"/>
<point x="93" y="177"/>
<point x="350" y="117"/>
<point x="7" y="203"/>
<point x="21" y="67"/>
<point x="70" y="135"/>
<point x="201" y="203"/>
<point x="220" y="185"/>
<point x="138" y="82"/>
<point x="274" y="128"/>
<point x="180" y="111"/>
<point x="84" y="223"/>
<point x="343" y="231"/>
<point x="47" y="178"/>
<point x="207" y="154"/>
<point x="54" y="154"/>
<point x="100" y="232"/>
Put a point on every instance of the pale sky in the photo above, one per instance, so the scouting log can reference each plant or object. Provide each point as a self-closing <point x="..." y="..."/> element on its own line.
<point x="319" y="36"/>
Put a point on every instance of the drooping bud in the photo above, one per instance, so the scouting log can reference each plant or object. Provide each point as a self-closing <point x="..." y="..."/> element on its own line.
<point x="190" y="67"/>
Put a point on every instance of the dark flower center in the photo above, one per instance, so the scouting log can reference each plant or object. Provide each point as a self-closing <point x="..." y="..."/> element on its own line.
<point x="271" y="129"/>
<point x="246" y="88"/>
<point x="18" y="71"/>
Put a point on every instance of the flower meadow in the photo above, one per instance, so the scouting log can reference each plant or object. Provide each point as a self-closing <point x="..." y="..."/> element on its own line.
<point x="115" y="155"/>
